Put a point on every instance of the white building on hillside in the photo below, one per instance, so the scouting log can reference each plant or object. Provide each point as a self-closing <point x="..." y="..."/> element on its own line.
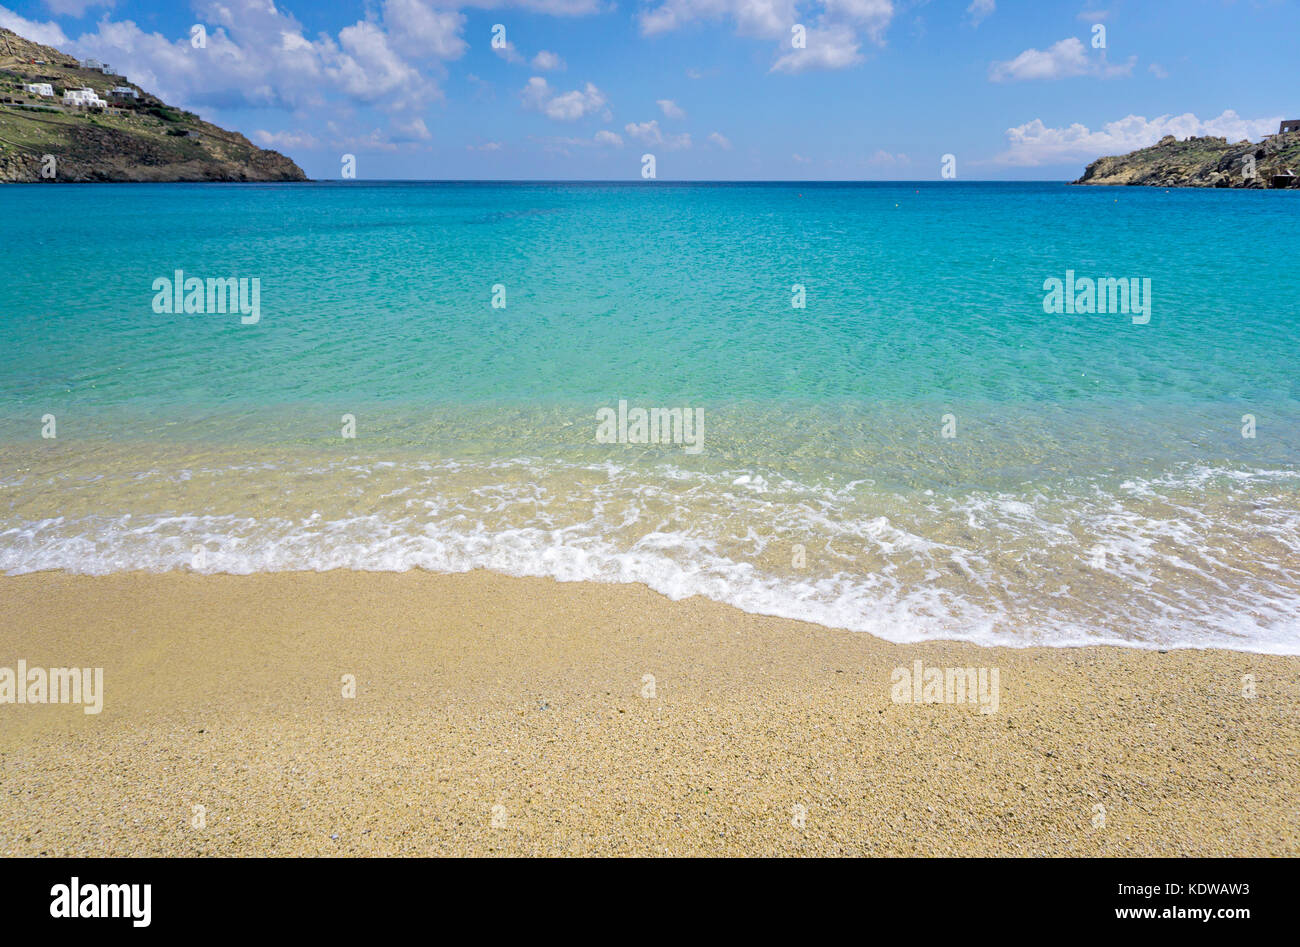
<point x="40" y="88"/>
<point x="83" y="98"/>
<point x="123" y="92"/>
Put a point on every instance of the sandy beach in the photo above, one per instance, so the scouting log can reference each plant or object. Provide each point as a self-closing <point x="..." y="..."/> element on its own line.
<point x="505" y="716"/>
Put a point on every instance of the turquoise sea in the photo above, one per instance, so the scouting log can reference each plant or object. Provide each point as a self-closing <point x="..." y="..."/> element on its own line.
<point x="920" y="451"/>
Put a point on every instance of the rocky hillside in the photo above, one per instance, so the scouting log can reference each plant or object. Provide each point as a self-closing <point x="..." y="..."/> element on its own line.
<point x="1202" y="162"/>
<point x="137" y="138"/>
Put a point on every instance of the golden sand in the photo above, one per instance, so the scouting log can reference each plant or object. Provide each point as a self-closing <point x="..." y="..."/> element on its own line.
<point x="495" y="715"/>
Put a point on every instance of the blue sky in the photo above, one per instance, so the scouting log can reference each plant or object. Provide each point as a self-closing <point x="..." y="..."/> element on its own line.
<point x="715" y="89"/>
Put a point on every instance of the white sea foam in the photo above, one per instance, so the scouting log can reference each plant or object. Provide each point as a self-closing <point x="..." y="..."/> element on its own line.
<point x="1183" y="568"/>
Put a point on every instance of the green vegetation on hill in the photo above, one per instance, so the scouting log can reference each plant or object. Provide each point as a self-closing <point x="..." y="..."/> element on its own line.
<point x="137" y="138"/>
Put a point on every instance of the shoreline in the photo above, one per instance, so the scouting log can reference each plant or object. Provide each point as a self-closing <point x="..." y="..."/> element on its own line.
<point x="498" y="715"/>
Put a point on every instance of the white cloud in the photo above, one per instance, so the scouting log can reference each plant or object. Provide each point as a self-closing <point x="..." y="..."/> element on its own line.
<point x="601" y="139"/>
<point x="173" y="70"/>
<point x="369" y="70"/>
<point x="873" y="16"/>
<point x="48" y="33"/>
<point x="548" y="61"/>
<point x="670" y="108"/>
<point x="283" y="140"/>
<point x="832" y="35"/>
<point x="551" y="7"/>
<point x="1034" y="143"/>
<point x="75" y="8"/>
<point x="375" y="141"/>
<point x="420" y="31"/>
<point x="649" y="133"/>
<point x="720" y="140"/>
<point x="544" y="61"/>
<point x="885" y="158"/>
<point x="768" y="19"/>
<point x="979" y="10"/>
<point x="1158" y="71"/>
<point x="565" y="106"/>
<point x="414" y="130"/>
<point x="832" y="48"/>
<point x="1061" y="60"/>
<point x="509" y="52"/>
<point x="486" y="146"/>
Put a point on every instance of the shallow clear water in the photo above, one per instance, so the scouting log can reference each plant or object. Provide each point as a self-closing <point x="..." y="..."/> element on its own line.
<point x="1096" y="485"/>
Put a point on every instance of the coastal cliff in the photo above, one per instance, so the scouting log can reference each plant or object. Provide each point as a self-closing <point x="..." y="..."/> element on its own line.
<point x="1203" y="162"/>
<point x="120" y="133"/>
